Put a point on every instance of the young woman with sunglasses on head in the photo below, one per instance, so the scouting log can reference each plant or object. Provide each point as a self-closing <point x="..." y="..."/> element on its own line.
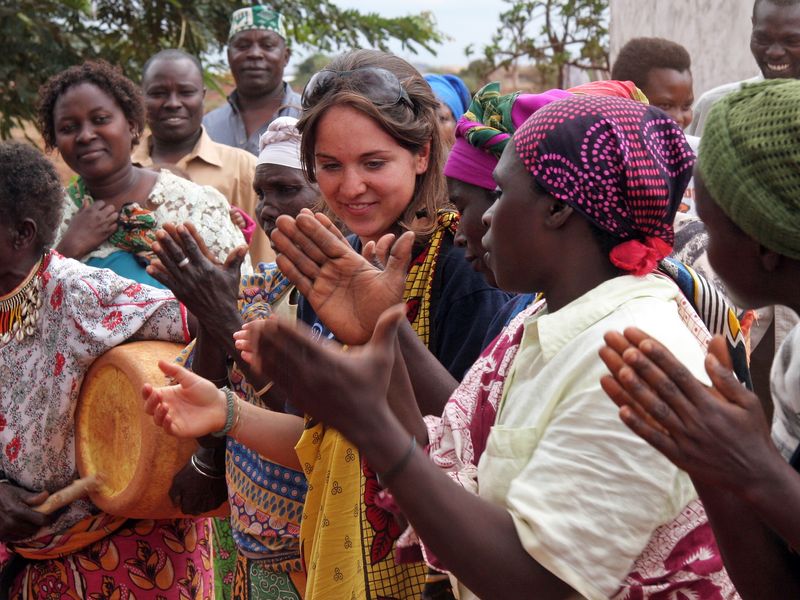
<point x="372" y="143"/>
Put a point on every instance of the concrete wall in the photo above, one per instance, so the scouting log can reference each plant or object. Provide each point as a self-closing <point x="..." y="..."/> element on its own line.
<point x="715" y="32"/>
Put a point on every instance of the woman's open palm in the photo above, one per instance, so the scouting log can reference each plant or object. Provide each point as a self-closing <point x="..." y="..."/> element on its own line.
<point x="191" y="408"/>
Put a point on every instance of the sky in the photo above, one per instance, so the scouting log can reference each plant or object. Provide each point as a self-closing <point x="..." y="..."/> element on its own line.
<point x="465" y="21"/>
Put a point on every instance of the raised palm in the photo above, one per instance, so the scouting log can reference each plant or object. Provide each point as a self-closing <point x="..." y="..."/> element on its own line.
<point x="191" y="408"/>
<point x="348" y="291"/>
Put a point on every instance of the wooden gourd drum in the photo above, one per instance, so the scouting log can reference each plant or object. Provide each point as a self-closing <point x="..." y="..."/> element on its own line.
<point x="118" y="440"/>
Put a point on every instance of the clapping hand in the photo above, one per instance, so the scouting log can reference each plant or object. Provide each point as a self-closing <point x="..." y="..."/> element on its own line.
<point x="348" y="291"/>
<point x="718" y="434"/>
<point x="341" y="389"/>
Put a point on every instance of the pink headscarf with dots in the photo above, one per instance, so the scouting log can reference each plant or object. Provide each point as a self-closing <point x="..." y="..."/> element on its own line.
<point x="624" y="165"/>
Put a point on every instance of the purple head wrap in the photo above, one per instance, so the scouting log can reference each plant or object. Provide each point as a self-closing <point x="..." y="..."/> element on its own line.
<point x="484" y="130"/>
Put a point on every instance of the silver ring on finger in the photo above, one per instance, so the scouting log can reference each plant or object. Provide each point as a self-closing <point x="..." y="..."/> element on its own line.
<point x="182" y="264"/>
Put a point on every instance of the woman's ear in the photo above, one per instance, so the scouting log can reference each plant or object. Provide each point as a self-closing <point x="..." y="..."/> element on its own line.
<point x="24" y="236"/>
<point x="557" y="213"/>
<point x="770" y="260"/>
<point x="422" y="159"/>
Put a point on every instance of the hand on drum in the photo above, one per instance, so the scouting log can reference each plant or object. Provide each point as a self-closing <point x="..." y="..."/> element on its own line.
<point x="718" y="434"/>
<point x="341" y="389"/>
<point x="191" y="408"/>
<point x="348" y="291"/>
<point x="18" y="520"/>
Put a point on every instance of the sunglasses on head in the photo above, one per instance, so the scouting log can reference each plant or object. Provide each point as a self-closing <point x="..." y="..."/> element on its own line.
<point x="380" y="86"/>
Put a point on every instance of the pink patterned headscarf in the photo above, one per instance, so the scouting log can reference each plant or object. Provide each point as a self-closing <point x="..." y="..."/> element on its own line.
<point x="624" y="165"/>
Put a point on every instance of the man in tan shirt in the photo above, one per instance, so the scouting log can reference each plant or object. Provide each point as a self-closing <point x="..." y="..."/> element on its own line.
<point x="172" y="83"/>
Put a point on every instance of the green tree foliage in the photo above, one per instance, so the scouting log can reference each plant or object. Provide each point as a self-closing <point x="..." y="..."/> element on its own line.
<point x="307" y="67"/>
<point x="41" y="37"/>
<point x="553" y="34"/>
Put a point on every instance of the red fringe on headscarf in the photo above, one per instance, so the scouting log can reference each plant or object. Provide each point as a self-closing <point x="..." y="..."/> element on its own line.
<point x="640" y="257"/>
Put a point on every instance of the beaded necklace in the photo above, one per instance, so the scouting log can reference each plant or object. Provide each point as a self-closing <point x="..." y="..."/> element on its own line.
<point x="19" y="310"/>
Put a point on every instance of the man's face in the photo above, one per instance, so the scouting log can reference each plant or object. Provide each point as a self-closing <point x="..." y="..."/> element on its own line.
<point x="257" y="59"/>
<point x="775" y="40"/>
<point x="173" y="99"/>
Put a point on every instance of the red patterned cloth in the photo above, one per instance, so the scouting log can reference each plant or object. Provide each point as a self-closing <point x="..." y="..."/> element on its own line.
<point x="142" y="560"/>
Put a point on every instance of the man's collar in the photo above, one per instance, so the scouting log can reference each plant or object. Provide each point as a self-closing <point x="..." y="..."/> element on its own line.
<point x="205" y="149"/>
<point x="233" y="98"/>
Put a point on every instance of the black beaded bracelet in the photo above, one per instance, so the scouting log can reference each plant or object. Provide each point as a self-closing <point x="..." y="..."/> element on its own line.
<point x="204" y="469"/>
<point x="399" y="465"/>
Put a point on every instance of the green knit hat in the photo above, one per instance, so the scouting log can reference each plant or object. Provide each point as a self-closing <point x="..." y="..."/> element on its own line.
<point x="750" y="162"/>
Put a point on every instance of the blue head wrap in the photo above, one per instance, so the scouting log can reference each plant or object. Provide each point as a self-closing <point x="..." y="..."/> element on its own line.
<point x="450" y="90"/>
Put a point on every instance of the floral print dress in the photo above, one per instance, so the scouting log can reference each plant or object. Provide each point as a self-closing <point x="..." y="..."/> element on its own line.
<point x="85" y="553"/>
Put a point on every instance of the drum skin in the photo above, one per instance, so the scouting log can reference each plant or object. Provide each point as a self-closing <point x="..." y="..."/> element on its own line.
<point x="116" y="439"/>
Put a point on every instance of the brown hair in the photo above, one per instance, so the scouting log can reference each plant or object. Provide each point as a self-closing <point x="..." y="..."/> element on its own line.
<point x="411" y="127"/>
<point x="641" y="55"/>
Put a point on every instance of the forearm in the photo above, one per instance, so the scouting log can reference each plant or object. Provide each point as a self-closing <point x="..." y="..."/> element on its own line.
<point x="70" y="250"/>
<point x="431" y="382"/>
<point x="216" y="346"/>
<point x="402" y="401"/>
<point x="210" y="358"/>
<point x="493" y="564"/>
<point x="272" y="434"/>
<point x="773" y="496"/>
<point x="758" y="561"/>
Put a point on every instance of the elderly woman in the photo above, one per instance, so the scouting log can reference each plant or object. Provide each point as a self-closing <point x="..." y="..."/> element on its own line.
<point x="94" y="115"/>
<point x="265" y="496"/>
<point x="56" y="316"/>
<point x="555" y="462"/>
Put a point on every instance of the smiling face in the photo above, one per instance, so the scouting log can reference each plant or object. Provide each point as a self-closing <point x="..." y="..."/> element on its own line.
<point x="281" y="190"/>
<point x="257" y="59"/>
<point x="775" y="40"/>
<point x="366" y="178"/>
<point x="671" y="91"/>
<point x="472" y="202"/>
<point x="173" y="98"/>
<point x="92" y="133"/>
<point x="515" y="240"/>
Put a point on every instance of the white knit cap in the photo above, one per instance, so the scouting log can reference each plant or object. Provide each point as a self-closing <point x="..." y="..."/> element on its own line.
<point x="280" y="144"/>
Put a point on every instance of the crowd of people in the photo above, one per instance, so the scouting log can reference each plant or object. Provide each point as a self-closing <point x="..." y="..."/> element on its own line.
<point x="435" y="344"/>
